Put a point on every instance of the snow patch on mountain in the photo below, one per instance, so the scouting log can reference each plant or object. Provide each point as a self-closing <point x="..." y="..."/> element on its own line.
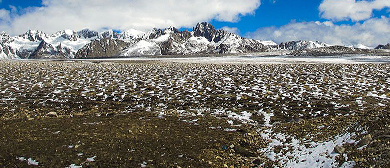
<point x="361" y="46"/>
<point x="131" y="34"/>
<point x="267" y="43"/>
<point x="143" y="47"/>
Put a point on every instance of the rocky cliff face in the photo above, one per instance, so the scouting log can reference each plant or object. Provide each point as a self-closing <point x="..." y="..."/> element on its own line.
<point x="208" y="31"/>
<point x="102" y="48"/>
<point x="87" y="34"/>
<point x="48" y="51"/>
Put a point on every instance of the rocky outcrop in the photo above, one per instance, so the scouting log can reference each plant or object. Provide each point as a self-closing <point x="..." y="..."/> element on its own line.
<point x="209" y="32"/>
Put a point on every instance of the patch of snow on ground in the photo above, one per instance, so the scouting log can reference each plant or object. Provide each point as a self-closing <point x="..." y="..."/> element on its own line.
<point x="91" y="159"/>
<point x="267" y="118"/>
<point x="74" y="166"/>
<point x="32" y="162"/>
<point x="320" y="154"/>
<point x="244" y="117"/>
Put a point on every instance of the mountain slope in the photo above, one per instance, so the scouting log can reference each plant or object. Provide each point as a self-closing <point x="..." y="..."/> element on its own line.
<point x="102" y="48"/>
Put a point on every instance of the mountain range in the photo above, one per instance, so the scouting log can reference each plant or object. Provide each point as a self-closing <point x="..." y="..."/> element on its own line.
<point x="203" y="39"/>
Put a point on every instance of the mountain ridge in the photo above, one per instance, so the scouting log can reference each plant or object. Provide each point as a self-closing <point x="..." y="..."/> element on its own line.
<point x="203" y="39"/>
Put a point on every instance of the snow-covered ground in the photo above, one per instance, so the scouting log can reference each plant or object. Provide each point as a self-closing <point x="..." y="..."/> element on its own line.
<point x="317" y="154"/>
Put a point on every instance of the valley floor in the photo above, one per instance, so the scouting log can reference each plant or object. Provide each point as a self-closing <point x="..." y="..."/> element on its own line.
<point x="257" y="58"/>
<point x="236" y="111"/>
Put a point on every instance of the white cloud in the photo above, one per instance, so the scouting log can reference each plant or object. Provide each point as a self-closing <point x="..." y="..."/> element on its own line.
<point x="124" y="14"/>
<point x="370" y="33"/>
<point x="351" y="9"/>
<point x="234" y="30"/>
<point x="4" y="15"/>
<point x="4" y="19"/>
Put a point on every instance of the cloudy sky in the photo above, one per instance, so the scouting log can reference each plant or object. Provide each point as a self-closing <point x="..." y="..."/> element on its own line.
<point x="339" y="22"/>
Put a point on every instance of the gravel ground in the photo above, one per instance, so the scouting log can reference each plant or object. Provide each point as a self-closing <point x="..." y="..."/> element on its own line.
<point x="148" y="113"/>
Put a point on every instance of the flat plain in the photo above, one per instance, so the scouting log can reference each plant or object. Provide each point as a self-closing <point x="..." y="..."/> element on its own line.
<point x="153" y="113"/>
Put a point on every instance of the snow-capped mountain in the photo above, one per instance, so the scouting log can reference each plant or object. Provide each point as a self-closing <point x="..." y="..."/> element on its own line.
<point x="301" y="45"/>
<point x="36" y="44"/>
<point x="203" y="39"/>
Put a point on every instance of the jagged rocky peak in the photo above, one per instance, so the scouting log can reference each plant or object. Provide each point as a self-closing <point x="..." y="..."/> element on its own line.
<point x="204" y="27"/>
<point x="109" y="34"/>
<point x="47" y="50"/>
<point x="155" y="33"/>
<point x="34" y="35"/>
<point x="208" y="31"/>
<point x="4" y="37"/>
<point x="42" y="50"/>
<point x="86" y="33"/>
<point x="170" y="30"/>
<point x="66" y="34"/>
<point x="387" y="46"/>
